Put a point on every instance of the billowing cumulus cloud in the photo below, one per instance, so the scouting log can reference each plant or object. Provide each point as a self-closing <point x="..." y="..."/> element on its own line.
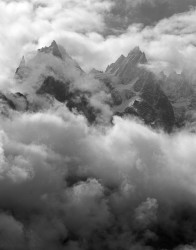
<point x="67" y="185"/>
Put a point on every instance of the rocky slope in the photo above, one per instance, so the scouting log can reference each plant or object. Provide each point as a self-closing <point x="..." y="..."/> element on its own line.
<point x="182" y="94"/>
<point x="136" y="91"/>
<point x="52" y="75"/>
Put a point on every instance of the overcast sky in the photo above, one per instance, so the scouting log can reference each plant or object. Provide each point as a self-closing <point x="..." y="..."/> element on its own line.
<point x="96" y="32"/>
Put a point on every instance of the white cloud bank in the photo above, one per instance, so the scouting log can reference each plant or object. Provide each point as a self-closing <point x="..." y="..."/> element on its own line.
<point x="65" y="185"/>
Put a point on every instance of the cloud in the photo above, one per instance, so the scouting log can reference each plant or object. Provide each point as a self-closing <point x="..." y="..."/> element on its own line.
<point x="12" y="234"/>
<point x="65" y="184"/>
<point x="140" y="2"/>
<point x="43" y="21"/>
<point x="147" y="12"/>
<point x="169" y="43"/>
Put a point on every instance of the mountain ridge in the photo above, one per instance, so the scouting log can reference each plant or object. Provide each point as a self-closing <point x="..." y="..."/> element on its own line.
<point x="134" y="90"/>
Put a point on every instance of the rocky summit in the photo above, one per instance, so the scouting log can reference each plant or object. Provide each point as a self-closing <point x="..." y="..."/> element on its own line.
<point x="53" y="49"/>
<point x="163" y="101"/>
<point x="136" y="91"/>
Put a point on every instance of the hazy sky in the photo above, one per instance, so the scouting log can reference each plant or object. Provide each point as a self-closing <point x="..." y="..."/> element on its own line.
<point x="96" y="32"/>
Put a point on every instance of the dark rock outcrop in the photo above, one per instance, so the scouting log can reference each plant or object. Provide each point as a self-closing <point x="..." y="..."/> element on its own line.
<point x="56" y="88"/>
<point x="134" y="90"/>
<point x="22" y="71"/>
<point x="53" y="48"/>
<point x="127" y="68"/>
<point x="137" y="84"/>
<point x="77" y="100"/>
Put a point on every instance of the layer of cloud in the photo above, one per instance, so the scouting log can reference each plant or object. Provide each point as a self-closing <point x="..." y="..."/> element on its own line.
<point x="65" y="185"/>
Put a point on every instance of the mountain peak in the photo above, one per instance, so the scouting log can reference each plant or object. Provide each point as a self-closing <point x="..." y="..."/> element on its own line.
<point x="21" y="70"/>
<point x="52" y="49"/>
<point x="124" y="65"/>
<point x="53" y="43"/>
<point x="113" y="68"/>
<point x="137" y="56"/>
<point x="121" y="57"/>
<point x="136" y="49"/>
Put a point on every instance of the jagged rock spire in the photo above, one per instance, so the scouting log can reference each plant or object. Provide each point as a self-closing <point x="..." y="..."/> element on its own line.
<point x="136" y="50"/>
<point x="21" y="70"/>
<point x="53" y="48"/>
<point x="53" y="44"/>
<point x="137" y="55"/>
<point x="124" y="65"/>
